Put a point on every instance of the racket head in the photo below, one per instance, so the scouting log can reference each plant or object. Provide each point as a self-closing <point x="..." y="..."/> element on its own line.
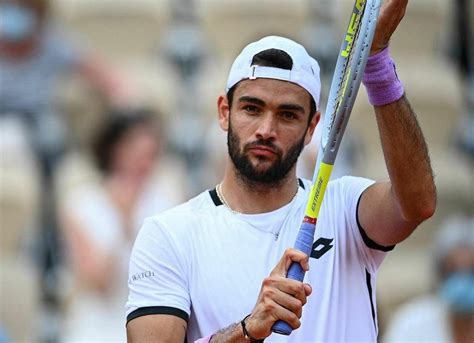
<point x="352" y="59"/>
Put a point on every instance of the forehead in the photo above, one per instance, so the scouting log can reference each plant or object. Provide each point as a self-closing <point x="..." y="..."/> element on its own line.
<point x="273" y="92"/>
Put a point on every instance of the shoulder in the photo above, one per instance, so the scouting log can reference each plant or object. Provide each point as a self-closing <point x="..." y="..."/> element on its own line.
<point x="199" y="206"/>
<point x="172" y="234"/>
<point x="348" y="187"/>
<point x="177" y="220"/>
<point x="345" y="186"/>
<point x="350" y="181"/>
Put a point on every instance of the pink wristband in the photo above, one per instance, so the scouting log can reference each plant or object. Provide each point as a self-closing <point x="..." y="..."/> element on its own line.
<point x="206" y="339"/>
<point x="381" y="80"/>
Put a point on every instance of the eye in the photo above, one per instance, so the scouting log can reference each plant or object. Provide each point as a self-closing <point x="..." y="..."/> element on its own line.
<point x="251" y="109"/>
<point x="288" y="115"/>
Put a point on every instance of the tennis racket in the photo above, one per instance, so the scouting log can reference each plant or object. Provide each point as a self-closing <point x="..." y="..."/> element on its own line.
<point x="345" y="84"/>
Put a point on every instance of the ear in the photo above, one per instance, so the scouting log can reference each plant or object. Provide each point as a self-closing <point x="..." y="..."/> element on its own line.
<point x="223" y="110"/>
<point x="312" y="125"/>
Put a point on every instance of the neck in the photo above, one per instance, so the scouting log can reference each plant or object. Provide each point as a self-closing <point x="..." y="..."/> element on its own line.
<point x="252" y="197"/>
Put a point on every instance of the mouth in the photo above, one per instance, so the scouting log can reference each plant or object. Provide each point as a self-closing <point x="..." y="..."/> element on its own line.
<point x="262" y="150"/>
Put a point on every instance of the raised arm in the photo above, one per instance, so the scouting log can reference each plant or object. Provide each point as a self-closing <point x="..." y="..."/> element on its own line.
<point x="390" y="211"/>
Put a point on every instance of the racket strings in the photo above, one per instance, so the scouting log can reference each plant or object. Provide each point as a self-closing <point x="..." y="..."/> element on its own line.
<point x="346" y="72"/>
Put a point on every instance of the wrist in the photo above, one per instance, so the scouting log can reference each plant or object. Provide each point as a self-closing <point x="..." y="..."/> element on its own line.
<point x="381" y="80"/>
<point x="248" y="335"/>
<point x="206" y="339"/>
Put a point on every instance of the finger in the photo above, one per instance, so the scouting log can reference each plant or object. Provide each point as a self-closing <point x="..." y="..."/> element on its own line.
<point x="282" y="311"/>
<point x="293" y="288"/>
<point x="391" y="14"/>
<point x="299" y="257"/>
<point x="288" y="301"/>
<point x="308" y="289"/>
<point x="290" y="255"/>
<point x="274" y="304"/>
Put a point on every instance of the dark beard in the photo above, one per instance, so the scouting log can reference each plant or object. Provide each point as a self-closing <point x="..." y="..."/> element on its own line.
<point x="275" y="174"/>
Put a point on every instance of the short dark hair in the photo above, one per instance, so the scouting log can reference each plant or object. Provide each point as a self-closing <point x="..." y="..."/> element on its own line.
<point x="275" y="58"/>
<point x="120" y="122"/>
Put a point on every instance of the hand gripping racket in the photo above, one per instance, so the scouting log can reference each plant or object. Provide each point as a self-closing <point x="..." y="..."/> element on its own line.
<point x="344" y="87"/>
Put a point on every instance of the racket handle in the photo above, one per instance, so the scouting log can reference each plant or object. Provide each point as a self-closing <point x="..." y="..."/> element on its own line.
<point x="304" y="243"/>
<point x="282" y="328"/>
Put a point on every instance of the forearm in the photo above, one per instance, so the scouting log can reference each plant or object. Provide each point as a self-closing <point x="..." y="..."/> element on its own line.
<point x="407" y="159"/>
<point x="231" y="334"/>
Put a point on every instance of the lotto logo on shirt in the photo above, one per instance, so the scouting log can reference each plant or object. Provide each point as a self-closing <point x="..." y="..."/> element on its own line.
<point x="321" y="246"/>
<point x="140" y="276"/>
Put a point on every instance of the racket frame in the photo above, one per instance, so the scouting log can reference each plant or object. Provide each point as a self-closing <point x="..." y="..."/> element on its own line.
<point x="341" y="100"/>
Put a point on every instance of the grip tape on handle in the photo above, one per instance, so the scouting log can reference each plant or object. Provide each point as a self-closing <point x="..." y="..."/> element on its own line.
<point x="304" y="243"/>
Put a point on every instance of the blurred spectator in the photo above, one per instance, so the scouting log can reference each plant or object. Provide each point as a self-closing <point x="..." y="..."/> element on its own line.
<point x="447" y="315"/>
<point x="33" y="55"/>
<point x="100" y="222"/>
<point x="31" y="58"/>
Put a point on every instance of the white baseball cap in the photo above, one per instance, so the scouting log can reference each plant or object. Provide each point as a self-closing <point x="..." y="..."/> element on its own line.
<point x="305" y="70"/>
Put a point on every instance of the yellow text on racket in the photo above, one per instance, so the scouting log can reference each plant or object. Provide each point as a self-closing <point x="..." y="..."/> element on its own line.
<point x="317" y="190"/>
<point x="351" y="30"/>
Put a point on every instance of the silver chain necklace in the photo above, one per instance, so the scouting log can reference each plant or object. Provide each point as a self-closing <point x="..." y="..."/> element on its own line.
<point x="226" y="204"/>
<point x="223" y="200"/>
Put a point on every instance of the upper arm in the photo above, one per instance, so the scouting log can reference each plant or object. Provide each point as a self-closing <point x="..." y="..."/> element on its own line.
<point x="158" y="328"/>
<point x="158" y="283"/>
<point x="380" y="216"/>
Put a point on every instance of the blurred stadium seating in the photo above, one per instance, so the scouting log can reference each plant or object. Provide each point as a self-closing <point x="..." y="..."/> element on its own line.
<point x="19" y="200"/>
<point x="431" y="84"/>
<point x="128" y="34"/>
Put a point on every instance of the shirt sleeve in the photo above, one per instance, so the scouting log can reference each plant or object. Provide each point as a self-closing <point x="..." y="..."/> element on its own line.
<point x="158" y="282"/>
<point x="371" y="253"/>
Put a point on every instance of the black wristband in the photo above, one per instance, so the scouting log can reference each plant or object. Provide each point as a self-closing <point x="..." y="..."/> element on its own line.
<point x="246" y="334"/>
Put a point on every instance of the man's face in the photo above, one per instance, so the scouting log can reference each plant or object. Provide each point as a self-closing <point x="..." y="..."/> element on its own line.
<point x="268" y="127"/>
<point x="270" y="174"/>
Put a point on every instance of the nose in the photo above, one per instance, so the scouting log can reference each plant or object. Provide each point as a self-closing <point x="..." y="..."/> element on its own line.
<point x="266" y="127"/>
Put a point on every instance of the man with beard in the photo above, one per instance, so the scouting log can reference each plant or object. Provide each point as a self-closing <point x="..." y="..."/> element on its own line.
<point x="213" y="269"/>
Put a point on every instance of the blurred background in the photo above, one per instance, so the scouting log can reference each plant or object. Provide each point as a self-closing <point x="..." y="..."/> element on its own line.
<point x="108" y="115"/>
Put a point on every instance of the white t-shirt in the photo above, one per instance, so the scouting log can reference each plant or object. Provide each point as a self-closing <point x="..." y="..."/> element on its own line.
<point x="203" y="263"/>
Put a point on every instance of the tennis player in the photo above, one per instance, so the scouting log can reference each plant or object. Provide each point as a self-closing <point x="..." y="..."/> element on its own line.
<point x="213" y="269"/>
